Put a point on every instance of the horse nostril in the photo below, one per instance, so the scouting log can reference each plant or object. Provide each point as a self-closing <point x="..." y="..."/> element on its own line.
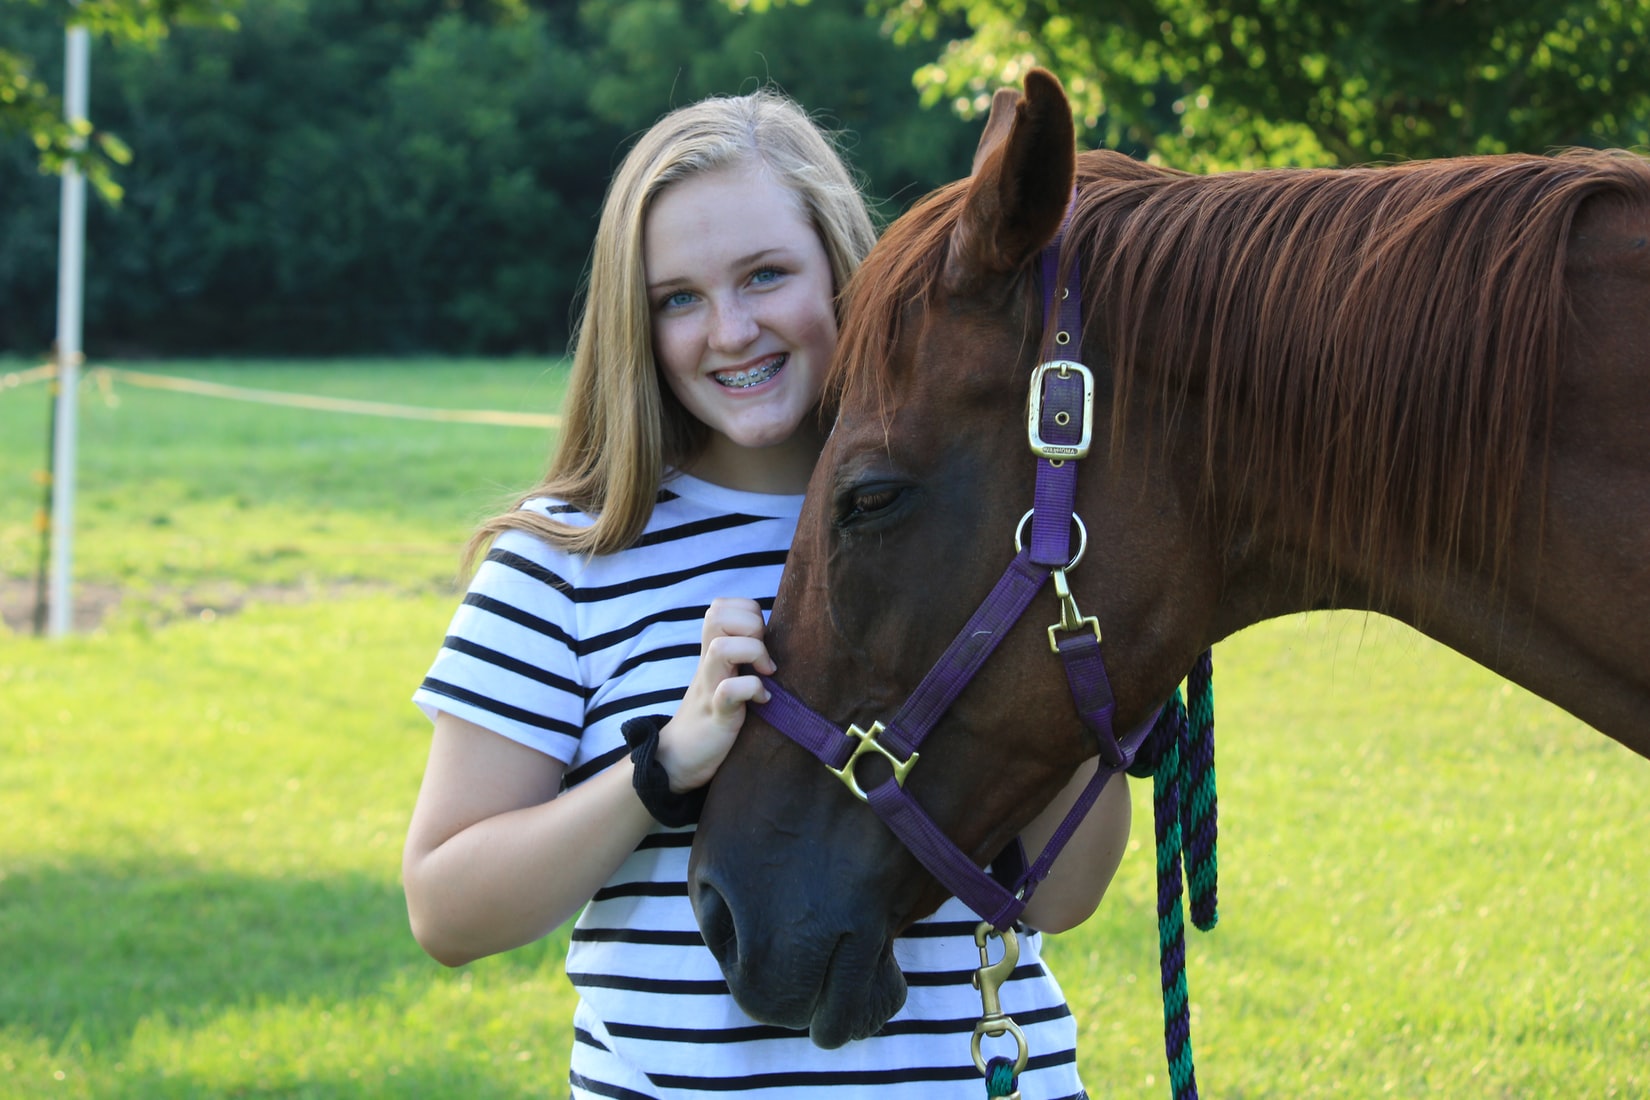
<point x="716" y="925"/>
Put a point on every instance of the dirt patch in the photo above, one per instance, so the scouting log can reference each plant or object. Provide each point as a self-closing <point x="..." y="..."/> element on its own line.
<point x="23" y="603"/>
<point x="95" y="603"/>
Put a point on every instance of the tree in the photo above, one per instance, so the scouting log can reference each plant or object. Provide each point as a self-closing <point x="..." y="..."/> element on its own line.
<point x="28" y="106"/>
<point x="266" y="207"/>
<point x="1210" y="84"/>
<point x="827" y="54"/>
<point x="342" y="176"/>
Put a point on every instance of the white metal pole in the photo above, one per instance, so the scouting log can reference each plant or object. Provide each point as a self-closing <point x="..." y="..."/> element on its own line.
<point x="71" y="255"/>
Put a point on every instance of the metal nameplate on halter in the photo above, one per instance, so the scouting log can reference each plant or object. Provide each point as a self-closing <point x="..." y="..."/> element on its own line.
<point x="1041" y="447"/>
<point x="868" y="743"/>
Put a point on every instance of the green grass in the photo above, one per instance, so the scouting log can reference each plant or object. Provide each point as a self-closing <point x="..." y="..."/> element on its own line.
<point x="179" y="490"/>
<point x="1432" y="883"/>
<point x="198" y="890"/>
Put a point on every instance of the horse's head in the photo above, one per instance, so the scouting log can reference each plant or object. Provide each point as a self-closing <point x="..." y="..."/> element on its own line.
<point x="911" y="517"/>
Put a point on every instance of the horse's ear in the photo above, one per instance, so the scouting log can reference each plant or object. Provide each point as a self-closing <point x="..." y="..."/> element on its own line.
<point x="1023" y="171"/>
<point x="997" y="125"/>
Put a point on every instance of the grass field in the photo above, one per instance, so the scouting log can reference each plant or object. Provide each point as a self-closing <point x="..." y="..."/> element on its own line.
<point x="1432" y="883"/>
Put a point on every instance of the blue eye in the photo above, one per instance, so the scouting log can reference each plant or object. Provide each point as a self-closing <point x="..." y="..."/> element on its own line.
<point x="766" y="275"/>
<point x="678" y="300"/>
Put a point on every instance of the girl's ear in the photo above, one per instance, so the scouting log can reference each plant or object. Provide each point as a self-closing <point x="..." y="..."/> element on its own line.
<point x="1023" y="173"/>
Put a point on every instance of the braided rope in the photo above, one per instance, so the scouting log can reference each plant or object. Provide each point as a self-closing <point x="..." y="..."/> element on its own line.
<point x="1179" y="755"/>
<point x="1197" y="812"/>
<point x="1171" y="928"/>
<point x="1000" y="1080"/>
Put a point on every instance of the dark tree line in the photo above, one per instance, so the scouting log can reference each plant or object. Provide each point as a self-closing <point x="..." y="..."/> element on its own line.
<point x="341" y="176"/>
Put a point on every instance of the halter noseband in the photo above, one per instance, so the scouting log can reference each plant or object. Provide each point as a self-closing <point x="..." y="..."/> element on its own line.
<point x="1059" y="424"/>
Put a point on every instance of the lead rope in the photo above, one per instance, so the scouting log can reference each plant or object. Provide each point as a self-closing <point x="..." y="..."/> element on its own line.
<point x="1001" y="1080"/>
<point x="1180" y="757"/>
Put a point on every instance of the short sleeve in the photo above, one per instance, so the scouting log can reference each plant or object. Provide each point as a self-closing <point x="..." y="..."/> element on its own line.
<point x="509" y="662"/>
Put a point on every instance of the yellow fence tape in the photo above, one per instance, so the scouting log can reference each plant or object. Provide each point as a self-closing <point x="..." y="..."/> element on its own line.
<point x="15" y="378"/>
<point x="107" y="376"/>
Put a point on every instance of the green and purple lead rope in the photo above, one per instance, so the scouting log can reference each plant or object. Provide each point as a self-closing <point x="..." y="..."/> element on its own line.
<point x="1180" y="757"/>
<point x="1000" y="1079"/>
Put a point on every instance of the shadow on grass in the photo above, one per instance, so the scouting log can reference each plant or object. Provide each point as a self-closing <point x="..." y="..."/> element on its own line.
<point x="88" y="950"/>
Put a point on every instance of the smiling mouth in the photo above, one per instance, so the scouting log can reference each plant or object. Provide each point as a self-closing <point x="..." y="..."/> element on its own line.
<point x="745" y="379"/>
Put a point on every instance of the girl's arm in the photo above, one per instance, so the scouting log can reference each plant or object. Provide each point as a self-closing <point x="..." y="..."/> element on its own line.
<point x="495" y="856"/>
<point x="498" y="855"/>
<point x="1085" y="867"/>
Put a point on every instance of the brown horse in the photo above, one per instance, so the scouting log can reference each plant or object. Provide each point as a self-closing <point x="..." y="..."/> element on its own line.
<point x="1419" y="390"/>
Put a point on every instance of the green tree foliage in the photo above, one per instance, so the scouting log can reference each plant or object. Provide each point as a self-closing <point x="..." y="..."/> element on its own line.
<point x="29" y="107"/>
<point x="827" y="54"/>
<point x="400" y="175"/>
<point x="1209" y="84"/>
<point x="277" y="199"/>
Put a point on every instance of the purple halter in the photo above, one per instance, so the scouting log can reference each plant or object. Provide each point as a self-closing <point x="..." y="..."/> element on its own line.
<point x="1059" y="427"/>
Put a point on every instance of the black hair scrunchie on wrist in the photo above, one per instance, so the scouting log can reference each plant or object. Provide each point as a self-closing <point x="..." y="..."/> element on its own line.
<point x="652" y="782"/>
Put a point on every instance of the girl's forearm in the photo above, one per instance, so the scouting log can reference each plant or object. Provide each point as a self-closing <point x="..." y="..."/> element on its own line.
<point x="1086" y="866"/>
<point x="513" y="877"/>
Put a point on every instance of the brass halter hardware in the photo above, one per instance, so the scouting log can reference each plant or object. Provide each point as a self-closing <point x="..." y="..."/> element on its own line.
<point x="868" y="743"/>
<point x="1071" y="619"/>
<point x="1082" y="538"/>
<point x="988" y="979"/>
<point x="1041" y="447"/>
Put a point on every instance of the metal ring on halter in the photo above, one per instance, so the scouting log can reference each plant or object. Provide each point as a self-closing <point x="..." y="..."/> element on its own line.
<point x="1082" y="537"/>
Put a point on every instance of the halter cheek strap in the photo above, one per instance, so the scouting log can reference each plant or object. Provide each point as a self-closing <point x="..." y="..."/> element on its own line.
<point x="1060" y="412"/>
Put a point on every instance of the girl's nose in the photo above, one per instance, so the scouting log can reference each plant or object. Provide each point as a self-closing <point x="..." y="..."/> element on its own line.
<point x="732" y="325"/>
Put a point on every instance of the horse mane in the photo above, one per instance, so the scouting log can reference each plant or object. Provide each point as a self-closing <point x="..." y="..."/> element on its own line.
<point x="1375" y="350"/>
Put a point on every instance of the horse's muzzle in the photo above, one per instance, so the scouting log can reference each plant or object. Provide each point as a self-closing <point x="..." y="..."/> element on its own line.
<point x="799" y="969"/>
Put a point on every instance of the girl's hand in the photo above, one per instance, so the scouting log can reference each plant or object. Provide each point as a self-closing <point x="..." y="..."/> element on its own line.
<point x="693" y="744"/>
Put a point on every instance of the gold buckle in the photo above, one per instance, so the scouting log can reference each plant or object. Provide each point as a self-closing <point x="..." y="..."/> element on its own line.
<point x="868" y="743"/>
<point x="1041" y="447"/>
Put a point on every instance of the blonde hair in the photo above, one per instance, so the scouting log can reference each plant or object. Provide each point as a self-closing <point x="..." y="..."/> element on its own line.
<point x="621" y="426"/>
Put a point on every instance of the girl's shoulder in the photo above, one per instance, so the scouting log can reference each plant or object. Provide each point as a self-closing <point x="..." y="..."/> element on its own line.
<point x="694" y="526"/>
<point x="525" y="548"/>
<point x="681" y="498"/>
<point x="681" y="493"/>
<point x="558" y="511"/>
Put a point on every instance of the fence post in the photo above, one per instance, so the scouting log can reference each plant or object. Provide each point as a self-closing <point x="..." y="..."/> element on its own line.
<point x="71" y="255"/>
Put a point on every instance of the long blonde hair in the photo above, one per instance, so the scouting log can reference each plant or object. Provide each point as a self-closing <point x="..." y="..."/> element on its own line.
<point x="621" y="425"/>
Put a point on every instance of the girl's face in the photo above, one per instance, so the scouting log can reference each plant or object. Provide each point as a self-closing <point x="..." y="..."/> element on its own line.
<point x="740" y="291"/>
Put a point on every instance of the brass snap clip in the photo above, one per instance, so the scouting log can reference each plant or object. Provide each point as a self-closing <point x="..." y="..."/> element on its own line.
<point x="1071" y="619"/>
<point x="989" y="979"/>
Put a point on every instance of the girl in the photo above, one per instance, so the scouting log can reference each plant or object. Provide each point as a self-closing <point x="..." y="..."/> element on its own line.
<point x="632" y="581"/>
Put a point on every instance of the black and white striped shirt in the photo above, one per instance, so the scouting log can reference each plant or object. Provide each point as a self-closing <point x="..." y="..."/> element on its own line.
<point x="557" y="651"/>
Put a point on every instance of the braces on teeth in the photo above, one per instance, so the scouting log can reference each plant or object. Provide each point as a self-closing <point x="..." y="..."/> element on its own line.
<point x="744" y="380"/>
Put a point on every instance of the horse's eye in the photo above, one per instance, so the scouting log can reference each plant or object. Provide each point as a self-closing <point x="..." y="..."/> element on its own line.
<point x="869" y="501"/>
